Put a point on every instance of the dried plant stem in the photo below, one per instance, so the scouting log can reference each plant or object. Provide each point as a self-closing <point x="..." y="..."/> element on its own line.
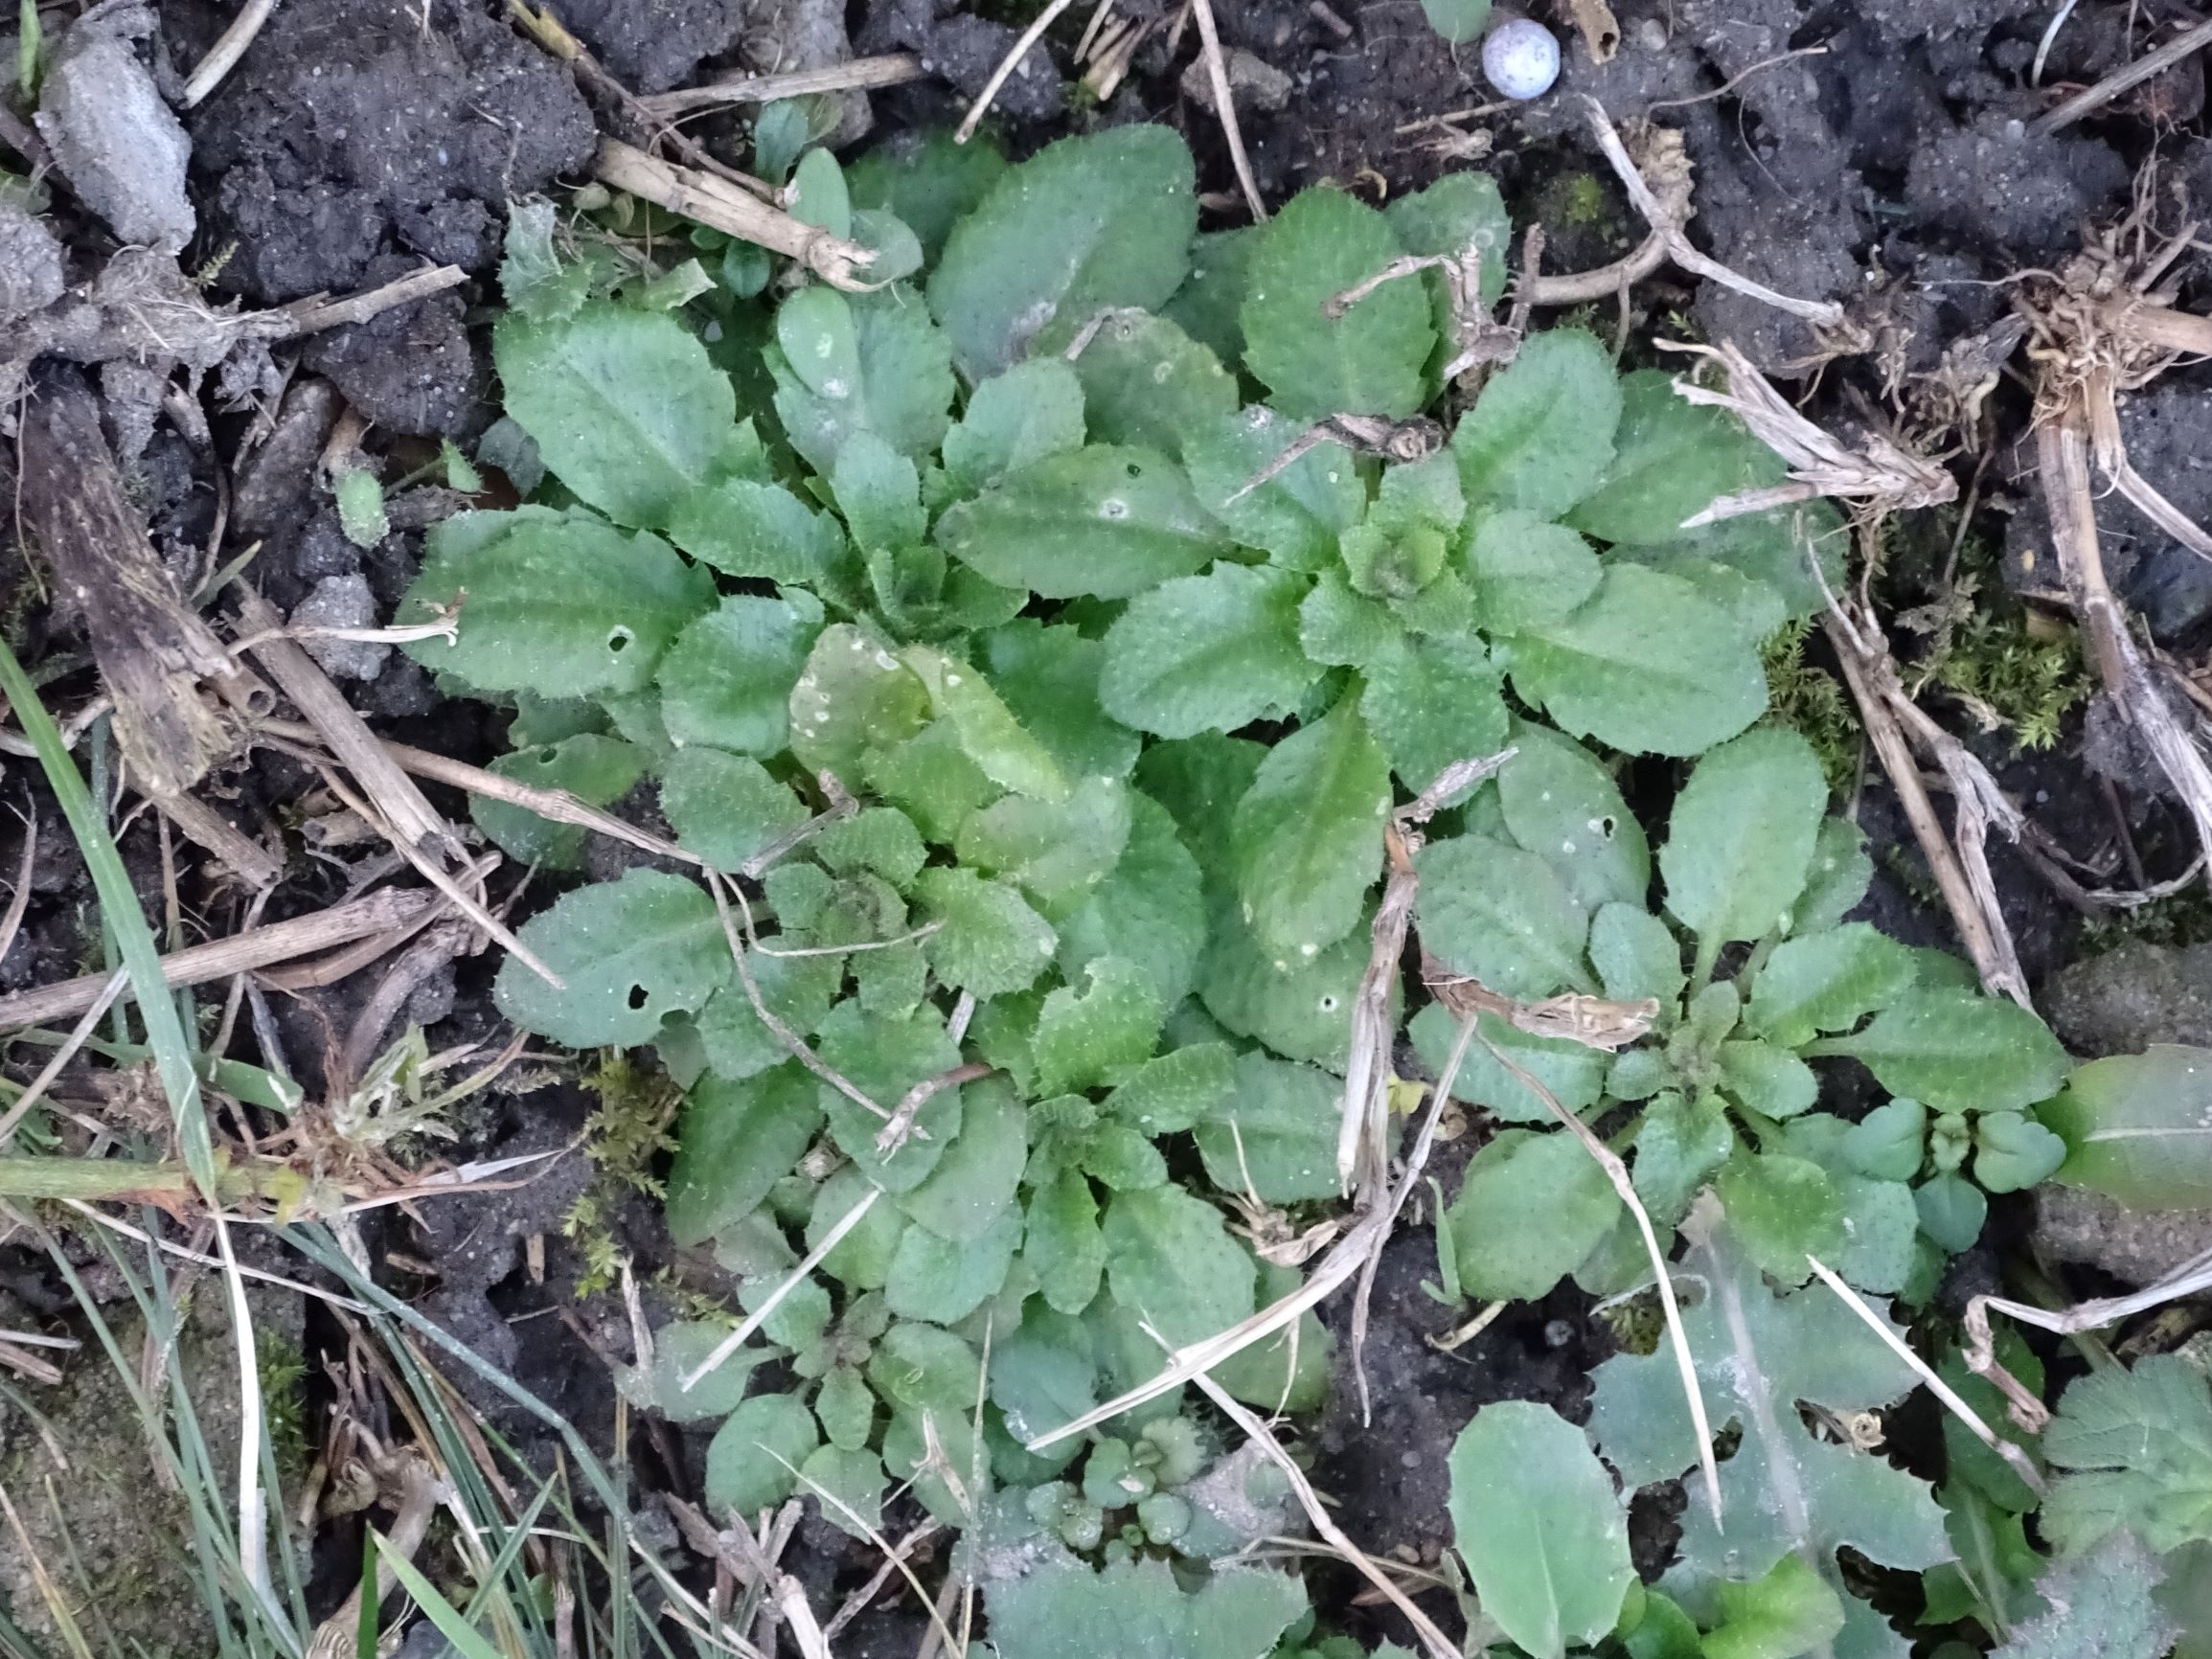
<point x="856" y="75"/>
<point x="71" y="1045"/>
<point x="1981" y="926"/>
<point x="253" y="863"/>
<point x="1329" y="1274"/>
<point x="901" y="1127"/>
<point x="229" y="47"/>
<point x="1225" y="106"/>
<point x="1942" y="1390"/>
<point x="1617" y="1172"/>
<point x="2063" y="464"/>
<point x="2124" y="79"/>
<point x="315" y="316"/>
<point x="220" y="959"/>
<point x="1007" y="65"/>
<point x="19" y="900"/>
<point x="798" y="1276"/>
<point x="1438" y="1645"/>
<point x="713" y="201"/>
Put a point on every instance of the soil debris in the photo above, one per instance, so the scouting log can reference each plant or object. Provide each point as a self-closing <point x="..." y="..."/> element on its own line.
<point x="114" y="139"/>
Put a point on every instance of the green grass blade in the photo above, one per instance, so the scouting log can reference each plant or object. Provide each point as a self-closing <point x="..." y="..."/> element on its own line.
<point x="468" y="1642"/>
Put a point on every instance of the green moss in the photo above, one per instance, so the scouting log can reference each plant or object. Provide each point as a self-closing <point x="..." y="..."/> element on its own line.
<point x="1583" y="201"/>
<point x="1814" y="703"/>
<point x="282" y="1369"/>
<point x="2180" y="920"/>
<point x="2027" y="684"/>
<point x="622" y="1138"/>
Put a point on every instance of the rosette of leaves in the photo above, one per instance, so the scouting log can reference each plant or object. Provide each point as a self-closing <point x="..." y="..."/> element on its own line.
<point x="1755" y="975"/>
<point x="1044" y="710"/>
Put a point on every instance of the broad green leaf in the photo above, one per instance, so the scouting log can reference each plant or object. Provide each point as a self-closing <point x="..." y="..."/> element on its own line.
<point x="1671" y="459"/>
<point x="560" y="604"/>
<point x="861" y="1260"/>
<point x="1881" y="1241"/>
<point x="1100" y="520"/>
<point x="1043" y="1376"/>
<point x="680" y="1347"/>
<point x="1951" y="1211"/>
<point x="949" y="1438"/>
<point x="1171" y="1261"/>
<point x="927" y="179"/>
<point x="845" y="1407"/>
<point x="988" y="731"/>
<point x="1760" y="1359"/>
<point x="867" y="363"/>
<point x="1300" y="1009"/>
<point x="1501" y="914"/>
<point x="744" y="527"/>
<point x="1741" y="837"/>
<point x="596" y="770"/>
<point x="943" y="1281"/>
<point x="992" y="942"/>
<point x="1064" y="1245"/>
<point x="847" y="1483"/>
<point x="1540" y="433"/>
<point x="2137" y="1449"/>
<point x="973" y="1183"/>
<point x="1636" y="954"/>
<point x="1792" y="1610"/>
<point x="726" y="807"/>
<point x="1138" y="1612"/>
<point x="1460" y="211"/>
<point x="1049" y="678"/>
<point x="924" y="1368"/>
<point x="625" y="407"/>
<point x="1084" y="1038"/>
<point x="1840" y="874"/>
<point x="1679" y="1145"/>
<point x="1146" y="382"/>
<point x="1543" y="1534"/>
<point x="1367" y="361"/>
<point x="734" y="1140"/>
<point x="884" y="1056"/>
<point x="1531" y="1206"/>
<point x="1771" y="1080"/>
<point x="1959" y="1051"/>
<point x="1458" y="21"/>
<point x="1200" y="781"/>
<point x="1150" y="909"/>
<point x="879" y="493"/>
<point x="2102" y="1604"/>
<point x="1025" y="414"/>
<point x="1781" y="1210"/>
<point x="879" y="839"/>
<point x="1207" y="305"/>
<point x="1526" y="571"/>
<point x="819" y="194"/>
<point x="1574" y="1073"/>
<point x="727" y="680"/>
<point x="1345" y="630"/>
<point x="1298" y="514"/>
<point x="1646" y="665"/>
<point x="1122" y="1159"/>
<point x="1273" y="1135"/>
<point x="1305" y="842"/>
<point x="1562" y="805"/>
<point x="1176" y="1090"/>
<point x="1056" y="853"/>
<point x="1827" y="981"/>
<point x="2136" y="1127"/>
<point x="797" y="989"/>
<point x="930" y="779"/>
<point x="754" y="1459"/>
<point x="1091" y="221"/>
<point x="628" y="953"/>
<point x="852" y="697"/>
<point x="1432" y="703"/>
<point x="1208" y="653"/>
<point x="1890" y="1141"/>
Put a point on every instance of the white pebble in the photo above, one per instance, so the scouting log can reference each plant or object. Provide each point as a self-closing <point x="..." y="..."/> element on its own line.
<point x="1520" y="58"/>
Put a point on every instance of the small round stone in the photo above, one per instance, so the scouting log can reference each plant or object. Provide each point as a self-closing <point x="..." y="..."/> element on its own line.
<point x="1520" y="58"/>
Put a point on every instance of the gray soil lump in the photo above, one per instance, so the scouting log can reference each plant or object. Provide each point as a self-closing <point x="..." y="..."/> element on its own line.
<point x="348" y="132"/>
<point x="114" y="139"/>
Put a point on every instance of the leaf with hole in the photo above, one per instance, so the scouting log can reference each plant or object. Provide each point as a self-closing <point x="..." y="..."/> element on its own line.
<point x="629" y="953"/>
<point x="596" y="770"/>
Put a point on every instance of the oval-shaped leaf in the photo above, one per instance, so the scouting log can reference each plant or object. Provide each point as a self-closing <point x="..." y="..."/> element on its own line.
<point x="1096" y="220"/>
<point x="1827" y="981"/>
<point x="1305" y="842"/>
<point x="1104" y="521"/>
<point x="1670" y="458"/>
<point x="595" y="769"/>
<point x="1563" y="805"/>
<point x="629" y="953"/>
<point x="1145" y="381"/>
<point x="734" y="1140"/>
<point x="1541" y="433"/>
<point x="1171" y="1261"/>
<point x="1542" y="1531"/>
<point x="1960" y="1051"/>
<point x="1273" y="1135"/>
<point x="1531" y="1207"/>
<point x="753" y="1461"/>
<point x="1741" y="836"/>
<point x="1208" y="653"/>
<point x="1502" y="914"/>
<point x="626" y="406"/>
<point x="1367" y="361"/>
<point x="1647" y="665"/>
<point x="2138" y="1128"/>
<point x="727" y="680"/>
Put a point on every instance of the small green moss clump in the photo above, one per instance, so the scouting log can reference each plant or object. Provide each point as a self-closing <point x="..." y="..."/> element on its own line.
<point x="622" y="1138"/>
<point x="1814" y="703"/>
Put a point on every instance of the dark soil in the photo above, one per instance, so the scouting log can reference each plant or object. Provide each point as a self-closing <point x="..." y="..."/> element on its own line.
<point x="1874" y="152"/>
